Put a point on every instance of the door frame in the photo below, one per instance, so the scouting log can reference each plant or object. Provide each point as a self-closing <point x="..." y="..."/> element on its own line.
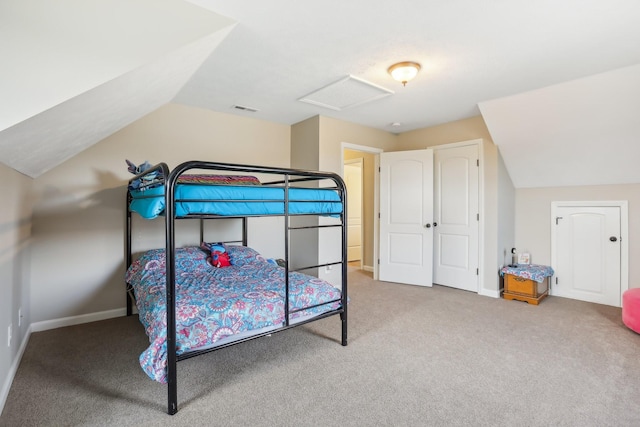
<point x="360" y="162"/>
<point x="376" y="196"/>
<point x="624" y="231"/>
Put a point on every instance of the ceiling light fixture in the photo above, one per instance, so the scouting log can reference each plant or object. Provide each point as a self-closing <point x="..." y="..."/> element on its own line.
<point x="404" y="71"/>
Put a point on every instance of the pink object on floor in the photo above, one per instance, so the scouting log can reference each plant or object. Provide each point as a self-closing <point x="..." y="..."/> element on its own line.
<point x="631" y="309"/>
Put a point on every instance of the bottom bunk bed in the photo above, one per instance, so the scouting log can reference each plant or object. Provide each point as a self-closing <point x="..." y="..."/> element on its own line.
<point x="219" y="305"/>
<point x="189" y="306"/>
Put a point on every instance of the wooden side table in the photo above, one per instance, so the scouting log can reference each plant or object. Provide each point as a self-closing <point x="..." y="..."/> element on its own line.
<point x="519" y="283"/>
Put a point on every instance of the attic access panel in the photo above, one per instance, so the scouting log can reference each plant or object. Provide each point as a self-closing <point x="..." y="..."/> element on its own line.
<point x="346" y="93"/>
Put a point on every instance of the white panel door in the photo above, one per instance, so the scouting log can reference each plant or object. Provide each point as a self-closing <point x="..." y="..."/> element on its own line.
<point x="406" y="213"/>
<point x="353" y="180"/>
<point x="456" y="212"/>
<point x="587" y="254"/>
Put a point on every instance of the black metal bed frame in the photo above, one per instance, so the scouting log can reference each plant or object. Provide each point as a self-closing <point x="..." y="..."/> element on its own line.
<point x="288" y="176"/>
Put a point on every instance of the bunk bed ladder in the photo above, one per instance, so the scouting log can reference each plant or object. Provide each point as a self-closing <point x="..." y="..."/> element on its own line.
<point x="343" y="255"/>
<point x="287" y="237"/>
<point x="343" y="259"/>
<point x="128" y="255"/>
<point x="172" y="377"/>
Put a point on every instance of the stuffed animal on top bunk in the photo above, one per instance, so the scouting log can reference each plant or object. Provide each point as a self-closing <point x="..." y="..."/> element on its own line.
<point x="131" y="167"/>
<point x="150" y="180"/>
<point x="219" y="257"/>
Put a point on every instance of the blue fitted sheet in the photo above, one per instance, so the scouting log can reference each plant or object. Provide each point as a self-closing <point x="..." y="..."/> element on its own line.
<point x="230" y="200"/>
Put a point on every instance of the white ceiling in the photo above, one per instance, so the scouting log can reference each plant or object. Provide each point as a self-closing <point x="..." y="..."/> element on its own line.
<point x="470" y="51"/>
<point x="64" y="54"/>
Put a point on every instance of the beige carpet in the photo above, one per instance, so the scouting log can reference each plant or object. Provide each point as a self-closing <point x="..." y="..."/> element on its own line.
<point x="416" y="357"/>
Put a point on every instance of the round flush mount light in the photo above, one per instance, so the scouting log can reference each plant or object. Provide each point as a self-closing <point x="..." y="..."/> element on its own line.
<point x="404" y="71"/>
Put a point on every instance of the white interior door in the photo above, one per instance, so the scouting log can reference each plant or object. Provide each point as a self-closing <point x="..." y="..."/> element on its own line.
<point x="353" y="180"/>
<point x="587" y="253"/>
<point x="456" y="221"/>
<point x="406" y="214"/>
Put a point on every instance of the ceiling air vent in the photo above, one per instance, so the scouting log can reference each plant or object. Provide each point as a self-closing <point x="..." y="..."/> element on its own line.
<point x="345" y="93"/>
<point x="245" y="108"/>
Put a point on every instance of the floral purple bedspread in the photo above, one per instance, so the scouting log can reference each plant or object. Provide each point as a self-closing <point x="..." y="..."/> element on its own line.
<point x="215" y="303"/>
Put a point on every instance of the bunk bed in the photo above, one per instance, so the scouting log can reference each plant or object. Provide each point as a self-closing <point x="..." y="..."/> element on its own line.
<point x="188" y="306"/>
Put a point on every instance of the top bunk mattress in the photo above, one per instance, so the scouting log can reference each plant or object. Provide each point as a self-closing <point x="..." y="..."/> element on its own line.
<point x="241" y="200"/>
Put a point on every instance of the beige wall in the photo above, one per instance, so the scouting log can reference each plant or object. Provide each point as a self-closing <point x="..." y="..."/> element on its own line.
<point x="493" y="252"/>
<point x="460" y="130"/>
<point x="304" y="144"/>
<point x="333" y="133"/>
<point x="78" y="236"/>
<point x="321" y="138"/>
<point x="506" y="214"/>
<point x="533" y="218"/>
<point x="15" y="233"/>
<point x="305" y="155"/>
<point x="316" y="143"/>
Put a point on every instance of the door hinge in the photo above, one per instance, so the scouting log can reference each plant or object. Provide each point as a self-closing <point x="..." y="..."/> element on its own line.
<point x="477" y="271"/>
<point x="477" y="217"/>
<point x="378" y="261"/>
<point x="556" y="280"/>
<point x="379" y="169"/>
<point x="477" y="162"/>
<point x="379" y="215"/>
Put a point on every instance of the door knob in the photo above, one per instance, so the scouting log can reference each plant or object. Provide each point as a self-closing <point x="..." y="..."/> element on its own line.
<point x="428" y="225"/>
<point x="435" y="224"/>
<point x="613" y="238"/>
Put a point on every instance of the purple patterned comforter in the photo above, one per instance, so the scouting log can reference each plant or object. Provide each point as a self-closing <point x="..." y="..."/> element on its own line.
<point x="215" y="303"/>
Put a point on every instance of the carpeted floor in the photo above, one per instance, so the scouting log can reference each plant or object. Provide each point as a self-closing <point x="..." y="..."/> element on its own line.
<point x="416" y="357"/>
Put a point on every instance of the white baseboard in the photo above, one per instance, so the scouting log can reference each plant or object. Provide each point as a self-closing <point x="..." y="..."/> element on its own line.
<point x="489" y="293"/>
<point x="77" y="320"/>
<point x="44" y="326"/>
<point x="12" y="370"/>
<point x="367" y="268"/>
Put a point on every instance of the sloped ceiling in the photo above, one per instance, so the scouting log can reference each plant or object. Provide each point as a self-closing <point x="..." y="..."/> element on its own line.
<point x="583" y="132"/>
<point x="77" y="71"/>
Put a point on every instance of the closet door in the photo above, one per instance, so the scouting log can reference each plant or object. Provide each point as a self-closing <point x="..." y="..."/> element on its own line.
<point x="456" y="217"/>
<point x="406" y="216"/>
<point x="586" y="252"/>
